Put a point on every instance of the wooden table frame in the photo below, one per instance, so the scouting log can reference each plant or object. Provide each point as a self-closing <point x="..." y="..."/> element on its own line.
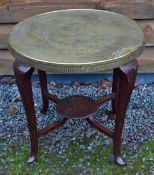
<point x="123" y="84"/>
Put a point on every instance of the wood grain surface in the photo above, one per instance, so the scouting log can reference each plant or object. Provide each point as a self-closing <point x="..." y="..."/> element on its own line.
<point x="148" y="28"/>
<point x="135" y="9"/>
<point x="146" y="61"/>
<point x="6" y="63"/>
<point x="4" y="31"/>
<point x="12" y="11"/>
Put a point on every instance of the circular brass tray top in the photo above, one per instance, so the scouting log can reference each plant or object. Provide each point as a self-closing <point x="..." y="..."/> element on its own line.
<point x="76" y="41"/>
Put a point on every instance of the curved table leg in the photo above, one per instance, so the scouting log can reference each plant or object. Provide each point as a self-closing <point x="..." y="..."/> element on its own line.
<point x="23" y="75"/>
<point x="115" y="90"/>
<point x="44" y="90"/>
<point x="123" y="83"/>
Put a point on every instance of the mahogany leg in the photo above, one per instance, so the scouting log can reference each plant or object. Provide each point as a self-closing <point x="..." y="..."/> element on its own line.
<point x="44" y="90"/>
<point x="115" y="90"/>
<point x="23" y="75"/>
<point x="123" y="84"/>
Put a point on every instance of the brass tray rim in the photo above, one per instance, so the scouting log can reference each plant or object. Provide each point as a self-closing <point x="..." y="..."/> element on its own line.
<point x="119" y="59"/>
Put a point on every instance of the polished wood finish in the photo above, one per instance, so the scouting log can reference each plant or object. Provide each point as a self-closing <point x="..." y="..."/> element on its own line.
<point x="51" y="127"/>
<point x="100" y="127"/>
<point x="123" y="84"/>
<point x="78" y="106"/>
<point x="53" y="98"/>
<point x="23" y="75"/>
<point x="105" y="99"/>
<point x="44" y="90"/>
<point x="73" y="51"/>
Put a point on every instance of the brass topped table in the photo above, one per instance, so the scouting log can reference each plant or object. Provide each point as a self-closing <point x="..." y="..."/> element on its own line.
<point x="77" y="41"/>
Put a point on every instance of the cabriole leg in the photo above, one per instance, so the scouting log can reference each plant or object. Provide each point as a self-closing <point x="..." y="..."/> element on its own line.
<point x="23" y="75"/>
<point x="44" y="90"/>
<point x="123" y="83"/>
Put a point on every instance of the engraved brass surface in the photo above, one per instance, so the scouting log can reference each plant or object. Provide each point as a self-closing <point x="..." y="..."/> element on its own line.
<point x="76" y="41"/>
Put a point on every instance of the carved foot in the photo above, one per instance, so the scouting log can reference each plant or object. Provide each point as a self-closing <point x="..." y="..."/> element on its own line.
<point x="120" y="161"/>
<point x="123" y="84"/>
<point x="31" y="158"/>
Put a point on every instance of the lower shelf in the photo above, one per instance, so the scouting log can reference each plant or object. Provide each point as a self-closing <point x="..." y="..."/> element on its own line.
<point x="76" y="106"/>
